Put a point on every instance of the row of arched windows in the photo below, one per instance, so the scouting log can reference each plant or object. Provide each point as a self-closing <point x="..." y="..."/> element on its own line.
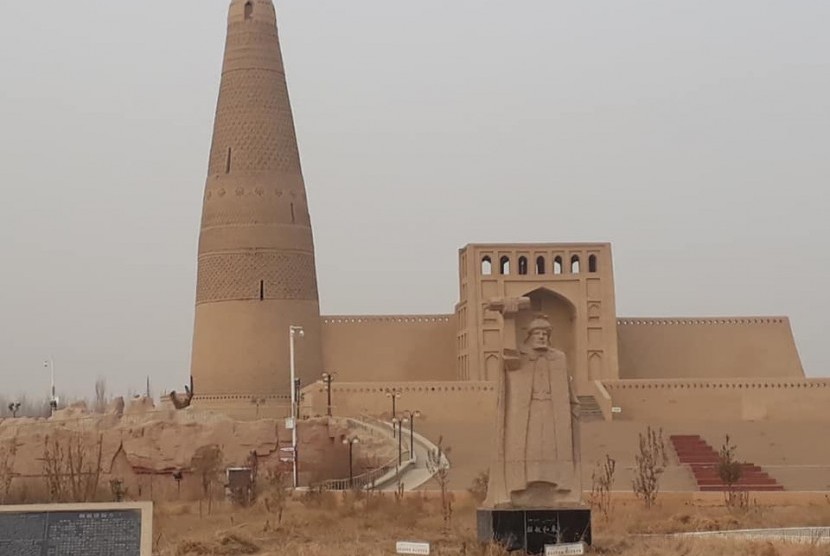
<point x="539" y="268"/>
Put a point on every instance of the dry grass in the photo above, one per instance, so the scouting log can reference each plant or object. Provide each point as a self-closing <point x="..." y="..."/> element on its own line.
<point x="369" y="525"/>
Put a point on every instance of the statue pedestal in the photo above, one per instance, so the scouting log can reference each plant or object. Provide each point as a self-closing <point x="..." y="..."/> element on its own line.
<point x="531" y="529"/>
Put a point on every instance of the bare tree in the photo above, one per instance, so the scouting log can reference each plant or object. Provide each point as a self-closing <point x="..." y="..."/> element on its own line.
<point x="730" y="471"/>
<point x="602" y="482"/>
<point x="100" y="395"/>
<point x="8" y="453"/>
<point x="276" y="492"/>
<point x="71" y="470"/>
<point x="206" y="464"/>
<point x="651" y="461"/>
<point x="438" y="465"/>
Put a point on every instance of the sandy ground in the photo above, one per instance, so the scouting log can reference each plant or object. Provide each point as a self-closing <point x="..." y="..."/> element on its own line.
<point x="369" y="525"/>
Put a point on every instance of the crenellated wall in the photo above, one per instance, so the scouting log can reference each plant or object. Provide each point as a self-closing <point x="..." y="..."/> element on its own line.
<point x="369" y="348"/>
<point x="690" y="401"/>
<point x="728" y="347"/>
<point x="364" y="348"/>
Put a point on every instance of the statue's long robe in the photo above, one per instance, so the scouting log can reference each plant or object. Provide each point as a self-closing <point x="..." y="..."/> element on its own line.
<point x="536" y="440"/>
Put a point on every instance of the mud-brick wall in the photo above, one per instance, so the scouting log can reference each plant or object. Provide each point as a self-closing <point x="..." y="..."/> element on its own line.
<point x="779" y="400"/>
<point x="438" y="401"/>
<point x="390" y="348"/>
<point x="713" y="348"/>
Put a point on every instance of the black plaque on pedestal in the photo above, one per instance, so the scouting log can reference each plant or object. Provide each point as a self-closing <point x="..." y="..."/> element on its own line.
<point x="94" y="532"/>
<point x="531" y="529"/>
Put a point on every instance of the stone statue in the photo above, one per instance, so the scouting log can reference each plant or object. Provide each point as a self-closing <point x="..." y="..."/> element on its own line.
<point x="536" y="459"/>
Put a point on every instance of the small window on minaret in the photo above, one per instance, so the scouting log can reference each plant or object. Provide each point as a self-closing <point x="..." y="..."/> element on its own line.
<point x="249" y="10"/>
<point x="592" y="263"/>
<point x="228" y="162"/>
<point x="262" y="290"/>
<point x="293" y="220"/>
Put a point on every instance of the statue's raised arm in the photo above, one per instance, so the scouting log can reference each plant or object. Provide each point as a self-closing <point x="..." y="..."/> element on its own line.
<point x="509" y="307"/>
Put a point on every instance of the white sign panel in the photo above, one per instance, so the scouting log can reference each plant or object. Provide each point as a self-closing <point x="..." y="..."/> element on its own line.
<point x="412" y="548"/>
<point x="570" y="548"/>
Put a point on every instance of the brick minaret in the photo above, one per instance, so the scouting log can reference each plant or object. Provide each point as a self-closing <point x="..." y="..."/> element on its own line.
<point x="256" y="272"/>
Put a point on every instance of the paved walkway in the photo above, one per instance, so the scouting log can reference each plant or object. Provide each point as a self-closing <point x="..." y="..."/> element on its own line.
<point x="416" y="473"/>
<point x="806" y="535"/>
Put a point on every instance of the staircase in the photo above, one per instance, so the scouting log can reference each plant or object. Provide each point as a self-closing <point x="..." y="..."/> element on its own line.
<point x="695" y="452"/>
<point x="589" y="409"/>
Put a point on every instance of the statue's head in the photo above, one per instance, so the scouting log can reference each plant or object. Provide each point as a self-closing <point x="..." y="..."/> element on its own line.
<point x="538" y="333"/>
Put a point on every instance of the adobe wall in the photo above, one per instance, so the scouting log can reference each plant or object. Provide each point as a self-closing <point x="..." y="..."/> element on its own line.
<point x="462" y="414"/>
<point x="707" y="348"/>
<point x="699" y="401"/>
<point x="437" y="400"/>
<point x="244" y="408"/>
<point x="362" y="348"/>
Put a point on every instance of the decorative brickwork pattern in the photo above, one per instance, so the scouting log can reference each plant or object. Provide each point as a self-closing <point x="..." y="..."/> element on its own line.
<point x="233" y="206"/>
<point x="254" y="126"/>
<point x="246" y="276"/>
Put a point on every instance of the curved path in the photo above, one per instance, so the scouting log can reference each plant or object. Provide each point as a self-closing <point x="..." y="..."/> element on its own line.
<point x="415" y="472"/>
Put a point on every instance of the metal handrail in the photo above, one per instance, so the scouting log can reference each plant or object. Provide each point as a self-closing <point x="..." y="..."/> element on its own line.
<point x="369" y="478"/>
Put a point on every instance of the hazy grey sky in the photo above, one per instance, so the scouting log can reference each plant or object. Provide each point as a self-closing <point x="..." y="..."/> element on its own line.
<point x="693" y="135"/>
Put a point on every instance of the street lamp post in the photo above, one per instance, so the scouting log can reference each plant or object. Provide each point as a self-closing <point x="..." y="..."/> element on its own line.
<point x="399" y="424"/>
<point x="53" y="400"/>
<point x="327" y="378"/>
<point x="293" y="332"/>
<point x="394" y="395"/>
<point x="351" y="442"/>
<point x="412" y="415"/>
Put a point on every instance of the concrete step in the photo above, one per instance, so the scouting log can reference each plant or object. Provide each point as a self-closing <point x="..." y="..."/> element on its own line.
<point x="589" y="409"/>
<point x="764" y="488"/>
<point x="753" y="481"/>
<point x="746" y="468"/>
<point x="703" y="462"/>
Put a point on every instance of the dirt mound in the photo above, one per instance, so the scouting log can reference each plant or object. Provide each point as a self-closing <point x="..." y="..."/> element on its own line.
<point x="227" y="543"/>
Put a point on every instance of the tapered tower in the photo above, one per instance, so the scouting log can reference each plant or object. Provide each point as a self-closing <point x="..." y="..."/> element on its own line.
<point x="256" y="272"/>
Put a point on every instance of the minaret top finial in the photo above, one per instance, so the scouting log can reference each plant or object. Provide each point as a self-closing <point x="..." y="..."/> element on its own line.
<point x="252" y="10"/>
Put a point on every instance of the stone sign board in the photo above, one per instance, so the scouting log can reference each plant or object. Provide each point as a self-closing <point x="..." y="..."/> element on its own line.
<point x="566" y="549"/>
<point x="125" y="529"/>
<point x="403" y="547"/>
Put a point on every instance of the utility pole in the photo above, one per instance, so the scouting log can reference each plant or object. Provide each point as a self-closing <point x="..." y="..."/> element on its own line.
<point x="53" y="399"/>
<point x="294" y="331"/>
<point x="327" y="379"/>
